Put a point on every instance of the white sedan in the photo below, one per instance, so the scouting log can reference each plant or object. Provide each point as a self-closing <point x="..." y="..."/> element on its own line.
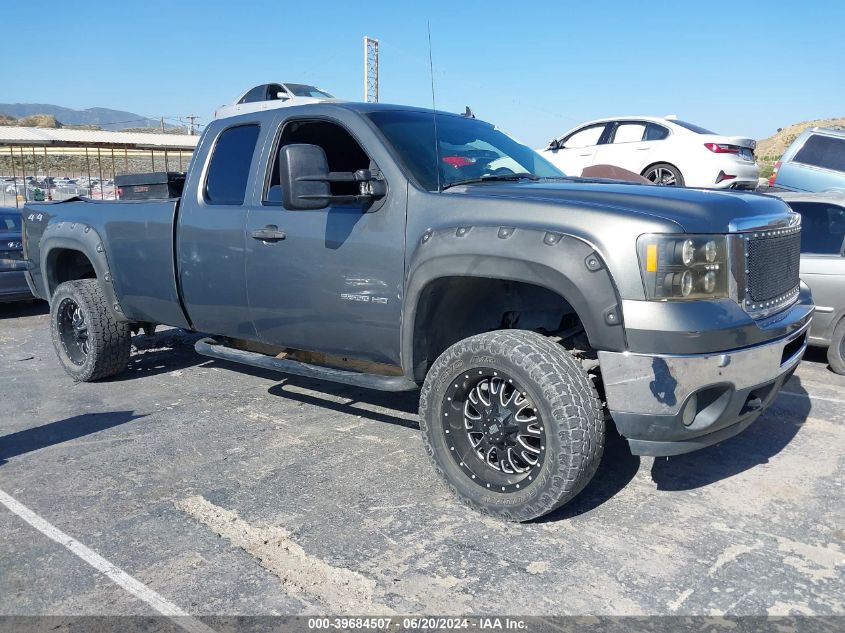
<point x="664" y="150"/>
<point x="268" y="96"/>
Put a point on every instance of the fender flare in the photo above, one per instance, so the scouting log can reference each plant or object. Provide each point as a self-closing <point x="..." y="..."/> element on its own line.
<point x="81" y="237"/>
<point x="564" y="264"/>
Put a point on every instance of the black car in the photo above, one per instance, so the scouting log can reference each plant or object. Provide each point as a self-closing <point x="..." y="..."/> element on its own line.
<point x="13" y="285"/>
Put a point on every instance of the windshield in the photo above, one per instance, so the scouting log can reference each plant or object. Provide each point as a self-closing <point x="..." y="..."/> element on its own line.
<point x="302" y="90"/>
<point x="693" y="128"/>
<point x="10" y="221"/>
<point x="467" y="149"/>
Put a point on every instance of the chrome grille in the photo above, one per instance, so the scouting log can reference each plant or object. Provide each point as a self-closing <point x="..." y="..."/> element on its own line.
<point x="772" y="259"/>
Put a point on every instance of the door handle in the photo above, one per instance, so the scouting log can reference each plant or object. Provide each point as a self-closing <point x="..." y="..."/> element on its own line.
<point x="269" y="233"/>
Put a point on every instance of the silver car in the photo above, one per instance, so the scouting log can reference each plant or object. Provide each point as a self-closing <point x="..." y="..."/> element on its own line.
<point x="823" y="267"/>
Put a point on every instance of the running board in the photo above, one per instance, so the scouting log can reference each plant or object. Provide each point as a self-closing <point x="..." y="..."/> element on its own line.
<point x="214" y="349"/>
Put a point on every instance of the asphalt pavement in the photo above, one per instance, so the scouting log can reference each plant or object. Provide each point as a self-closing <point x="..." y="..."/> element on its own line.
<point x="224" y="489"/>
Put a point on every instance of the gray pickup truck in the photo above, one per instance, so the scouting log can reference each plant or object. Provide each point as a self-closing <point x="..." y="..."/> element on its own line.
<point x="390" y="247"/>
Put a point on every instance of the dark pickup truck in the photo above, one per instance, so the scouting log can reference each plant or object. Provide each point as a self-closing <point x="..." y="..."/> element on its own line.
<point x="391" y="247"/>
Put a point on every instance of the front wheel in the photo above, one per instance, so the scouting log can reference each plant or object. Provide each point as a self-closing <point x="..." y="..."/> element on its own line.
<point x="512" y="423"/>
<point x="90" y="342"/>
<point x="664" y="174"/>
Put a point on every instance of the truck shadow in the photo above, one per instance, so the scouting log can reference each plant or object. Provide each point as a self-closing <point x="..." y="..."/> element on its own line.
<point x="72" y="428"/>
<point x="765" y="438"/>
<point x="21" y="309"/>
<point x="357" y="400"/>
<point x="405" y="402"/>
<point x="163" y="352"/>
<point x="616" y="469"/>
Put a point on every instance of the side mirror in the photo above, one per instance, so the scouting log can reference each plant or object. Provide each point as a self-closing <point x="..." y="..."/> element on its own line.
<point x="282" y="96"/>
<point x="305" y="180"/>
<point x="555" y="145"/>
<point x="304" y="176"/>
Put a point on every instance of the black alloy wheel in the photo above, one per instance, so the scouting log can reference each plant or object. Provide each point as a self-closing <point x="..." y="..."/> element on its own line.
<point x="493" y="430"/>
<point x="73" y="331"/>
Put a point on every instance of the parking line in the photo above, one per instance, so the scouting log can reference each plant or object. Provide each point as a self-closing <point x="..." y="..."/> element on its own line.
<point x="117" y="575"/>
<point x="810" y="397"/>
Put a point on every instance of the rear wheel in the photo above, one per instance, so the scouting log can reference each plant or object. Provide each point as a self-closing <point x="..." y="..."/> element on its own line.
<point x="512" y="423"/>
<point x="664" y="174"/>
<point x="90" y="342"/>
<point x="836" y="351"/>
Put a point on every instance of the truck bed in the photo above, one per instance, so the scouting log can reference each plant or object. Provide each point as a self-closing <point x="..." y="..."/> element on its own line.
<point x="131" y="241"/>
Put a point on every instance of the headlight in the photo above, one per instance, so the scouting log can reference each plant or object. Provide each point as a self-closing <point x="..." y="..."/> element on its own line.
<point x="683" y="266"/>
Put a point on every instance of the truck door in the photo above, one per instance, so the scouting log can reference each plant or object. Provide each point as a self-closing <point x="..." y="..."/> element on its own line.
<point x="329" y="280"/>
<point x="211" y="233"/>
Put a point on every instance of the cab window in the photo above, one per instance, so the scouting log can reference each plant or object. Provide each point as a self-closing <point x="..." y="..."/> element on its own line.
<point x="342" y="152"/>
<point x="228" y="169"/>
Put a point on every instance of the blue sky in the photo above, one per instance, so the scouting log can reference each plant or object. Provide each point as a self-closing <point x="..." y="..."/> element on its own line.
<point x="534" y="69"/>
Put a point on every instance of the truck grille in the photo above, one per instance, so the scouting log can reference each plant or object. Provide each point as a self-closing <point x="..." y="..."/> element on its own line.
<point x="773" y="259"/>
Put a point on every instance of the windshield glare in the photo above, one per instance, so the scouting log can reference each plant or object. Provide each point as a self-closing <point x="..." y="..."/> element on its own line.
<point x="466" y="148"/>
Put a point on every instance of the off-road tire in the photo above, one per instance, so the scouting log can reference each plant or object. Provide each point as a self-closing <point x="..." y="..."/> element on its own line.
<point x="836" y="351"/>
<point x="563" y="396"/>
<point x="109" y="340"/>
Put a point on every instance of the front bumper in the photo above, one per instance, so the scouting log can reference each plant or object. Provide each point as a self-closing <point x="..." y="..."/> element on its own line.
<point x="668" y="404"/>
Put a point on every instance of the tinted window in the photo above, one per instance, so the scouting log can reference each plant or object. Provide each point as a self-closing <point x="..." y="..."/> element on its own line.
<point x="693" y="128"/>
<point x="584" y="138"/>
<point x="656" y="132"/>
<point x="10" y="221"/>
<point x="629" y="132"/>
<point x="466" y="148"/>
<point x="823" y="151"/>
<point x="822" y="227"/>
<point x="228" y="171"/>
<point x="256" y="94"/>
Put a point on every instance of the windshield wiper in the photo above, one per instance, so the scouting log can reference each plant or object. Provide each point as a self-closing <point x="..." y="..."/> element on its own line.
<point x="491" y="178"/>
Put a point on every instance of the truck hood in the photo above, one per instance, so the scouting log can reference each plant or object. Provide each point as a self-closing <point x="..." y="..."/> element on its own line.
<point x="693" y="210"/>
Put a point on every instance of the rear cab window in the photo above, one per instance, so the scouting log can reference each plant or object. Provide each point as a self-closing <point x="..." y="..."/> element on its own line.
<point x="229" y="168"/>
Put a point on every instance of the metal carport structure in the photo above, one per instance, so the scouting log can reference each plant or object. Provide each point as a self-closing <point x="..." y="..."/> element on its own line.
<point x="41" y="153"/>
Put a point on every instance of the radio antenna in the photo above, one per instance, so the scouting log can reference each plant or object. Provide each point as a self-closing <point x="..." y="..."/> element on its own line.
<point x="434" y="112"/>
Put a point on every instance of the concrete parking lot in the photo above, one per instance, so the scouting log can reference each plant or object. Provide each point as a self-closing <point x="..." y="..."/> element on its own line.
<point x="230" y="490"/>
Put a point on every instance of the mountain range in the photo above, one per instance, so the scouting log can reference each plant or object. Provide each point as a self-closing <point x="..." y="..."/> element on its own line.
<point x="102" y="117"/>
